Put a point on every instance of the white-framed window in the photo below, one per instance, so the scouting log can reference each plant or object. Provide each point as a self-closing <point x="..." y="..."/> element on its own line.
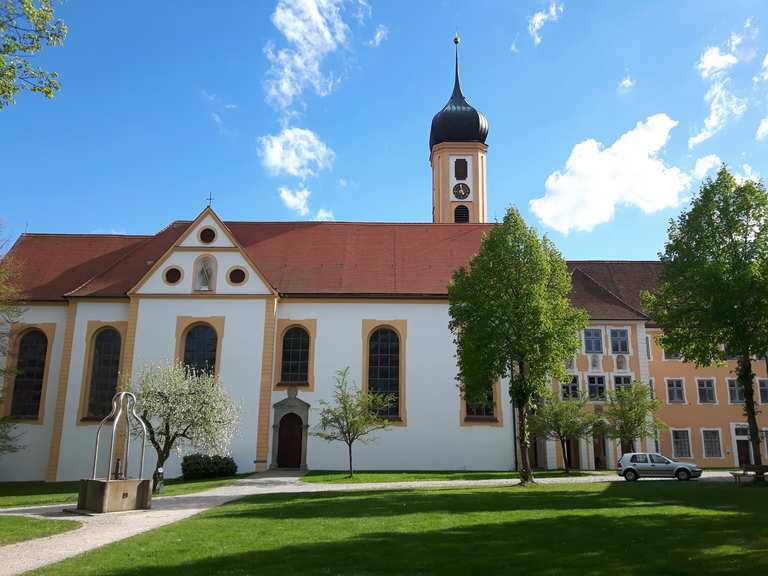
<point x="648" y="348"/>
<point x="570" y="364"/>
<point x="706" y="390"/>
<point x="620" y="382"/>
<point x="735" y="392"/>
<point x="675" y="391"/>
<point x="593" y="341"/>
<point x="619" y="340"/>
<point x="670" y="356"/>
<point x="710" y="440"/>
<point x="762" y="385"/>
<point x="681" y="443"/>
<point x="596" y="387"/>
<point x="652" y="390"/>
<point x="570" y="390"/>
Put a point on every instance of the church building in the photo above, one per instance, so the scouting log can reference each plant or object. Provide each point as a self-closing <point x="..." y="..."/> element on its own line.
<point x="274" y="309"/>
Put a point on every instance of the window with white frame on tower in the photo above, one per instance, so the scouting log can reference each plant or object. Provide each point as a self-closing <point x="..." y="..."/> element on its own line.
<point x="675" y="391"/>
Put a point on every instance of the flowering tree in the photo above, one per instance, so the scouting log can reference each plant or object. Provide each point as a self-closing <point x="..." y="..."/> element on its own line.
<point x="10" y="310"/>
<point x="184" y="408"/>
<point x="353" y="416"/>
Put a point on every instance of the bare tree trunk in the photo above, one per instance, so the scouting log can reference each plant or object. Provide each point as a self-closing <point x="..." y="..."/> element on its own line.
<point x="349" y="452"/>
<point x="746" y="380"/>
<point x="566" y="456"/>
<point x="526" y="474"/>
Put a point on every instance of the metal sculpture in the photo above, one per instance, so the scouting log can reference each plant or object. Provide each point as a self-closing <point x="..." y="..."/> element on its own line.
<point x="122" y="403"/>
<point x="118" y="491"/>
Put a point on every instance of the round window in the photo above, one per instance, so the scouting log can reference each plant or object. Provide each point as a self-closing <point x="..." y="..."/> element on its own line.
<point x="236" y="276"/>
<point x="172" y="275"/>
<point x="207" y="235"/>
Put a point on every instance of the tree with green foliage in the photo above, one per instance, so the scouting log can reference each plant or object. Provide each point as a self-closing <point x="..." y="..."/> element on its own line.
<point x="511" y="318"/>
<point x="184" y="409"/>
<point x="353" y="416"/>
<point x="631" y="414"/>
<point x="712" y="295"/>
<point x="562" y="419"/>
<point x="25" y="26"/>
<point x="10" y="311"/>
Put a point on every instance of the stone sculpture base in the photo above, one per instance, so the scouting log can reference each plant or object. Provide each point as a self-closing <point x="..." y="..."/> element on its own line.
<point x="114" y="495"/>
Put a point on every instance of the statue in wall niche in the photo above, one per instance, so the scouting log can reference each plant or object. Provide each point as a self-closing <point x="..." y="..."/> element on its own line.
<point x="204" y="275"/>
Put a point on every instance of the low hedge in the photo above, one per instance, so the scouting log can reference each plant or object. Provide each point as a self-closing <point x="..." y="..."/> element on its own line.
<point x="203" y="466"/>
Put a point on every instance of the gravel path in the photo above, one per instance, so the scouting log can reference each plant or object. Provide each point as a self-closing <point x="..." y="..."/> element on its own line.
<point x="101" y="529"/>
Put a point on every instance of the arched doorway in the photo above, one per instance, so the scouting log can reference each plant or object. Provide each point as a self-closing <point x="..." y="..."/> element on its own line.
<point x="290" y="441"/>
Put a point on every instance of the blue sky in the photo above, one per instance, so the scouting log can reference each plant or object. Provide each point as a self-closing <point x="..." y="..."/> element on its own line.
<point x="296" y="110"/>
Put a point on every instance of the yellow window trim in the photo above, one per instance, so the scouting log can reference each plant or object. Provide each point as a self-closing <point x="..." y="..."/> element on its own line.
<point x="498" y="413"/>
<point x="184" y="323"/>
<point x="94" y="327"/>
<point x="400" y="328"/>
<point x="283" y="324"/>
<point x="18" y="330"/>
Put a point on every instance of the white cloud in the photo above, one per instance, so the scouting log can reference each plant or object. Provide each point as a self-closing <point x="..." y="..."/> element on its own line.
<point x="343" y="183"/>
<point x="705" y="165"/>
<point x="723" y="106"/>
<point x="597" y="179"/>
<point x="762" y="129"/>
<point x="313" y="29"/>
<point x="513" y="47"/>
<point x="324" y="215"/>
<point x="626" y="84"/>
<point x="747" y="173"/>
<point x="537" y="21"/>
<point x="296" y="200"/>
<point x="762" y="76"/>
<point x="381" y="34"/>
<point x="362" y="11"/>
<point x="296" y="152"/>
<point x="713" y="62"/>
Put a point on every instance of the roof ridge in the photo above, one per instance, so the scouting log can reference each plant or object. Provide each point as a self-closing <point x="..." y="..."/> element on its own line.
<point x="138" y="245"/>
<point x="610" y="293"/>
<point x="346" y="222"/>
<point x="84" y="234"/>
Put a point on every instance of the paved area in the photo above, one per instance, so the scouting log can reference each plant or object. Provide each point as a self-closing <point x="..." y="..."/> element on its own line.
<point x="101" y="529"/>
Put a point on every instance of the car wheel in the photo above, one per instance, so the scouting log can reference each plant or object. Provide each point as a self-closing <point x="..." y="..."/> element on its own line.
<point x="630" y="475"/>
<point x="683" y="474"/>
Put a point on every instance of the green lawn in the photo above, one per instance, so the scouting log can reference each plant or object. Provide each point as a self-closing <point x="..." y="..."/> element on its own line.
<point x="18" y="528"/>
<point x="600" y="529"/>
<point x="14" y="494"/>
<point x="337" y="477"/>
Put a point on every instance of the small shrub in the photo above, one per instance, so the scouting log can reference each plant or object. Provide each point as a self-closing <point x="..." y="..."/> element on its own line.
<point x="197" y="466"/>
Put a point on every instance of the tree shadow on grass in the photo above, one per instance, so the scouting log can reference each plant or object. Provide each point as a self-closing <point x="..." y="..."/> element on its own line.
<point x="387" y="503"/>
<point x="568" y="544"/>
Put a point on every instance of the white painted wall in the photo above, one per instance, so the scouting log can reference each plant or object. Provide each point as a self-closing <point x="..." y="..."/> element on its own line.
<point x="31" y="463"/>
<point x="239" y="364"/>
<point x="77" y="441"/>
<point x="433" y="437"/>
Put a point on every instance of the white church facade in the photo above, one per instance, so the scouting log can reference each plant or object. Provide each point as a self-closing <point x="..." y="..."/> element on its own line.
<point x="274" y="309"/>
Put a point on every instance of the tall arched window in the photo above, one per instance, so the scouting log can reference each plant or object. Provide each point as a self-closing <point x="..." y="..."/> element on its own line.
<point x="104" y="371"/>
<point x="294" y="367"/>
<point x="200" y="348"/>
<point x="384" y="367"/>
<point x="461" y="214"/>
<point x="30" y="372"/>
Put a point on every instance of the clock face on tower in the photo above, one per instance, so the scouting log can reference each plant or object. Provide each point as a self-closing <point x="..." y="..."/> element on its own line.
<point x="461" y="191"/>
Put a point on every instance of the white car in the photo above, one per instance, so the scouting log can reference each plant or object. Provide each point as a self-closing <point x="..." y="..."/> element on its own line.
<point x="636" y="465"/>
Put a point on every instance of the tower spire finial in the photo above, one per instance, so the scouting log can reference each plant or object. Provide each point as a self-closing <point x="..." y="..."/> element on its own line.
<point x="457" y="82"/>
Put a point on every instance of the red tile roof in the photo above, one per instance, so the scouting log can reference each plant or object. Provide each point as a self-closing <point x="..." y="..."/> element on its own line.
<point x="316" y="259"/>
<point x="50" y="265"/>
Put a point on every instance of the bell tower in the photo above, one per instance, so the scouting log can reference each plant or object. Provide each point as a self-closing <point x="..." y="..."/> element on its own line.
<point x="458" y="159"/>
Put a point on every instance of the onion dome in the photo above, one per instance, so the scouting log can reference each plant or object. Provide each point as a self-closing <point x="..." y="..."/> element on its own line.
<point x="458" y="121"/>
